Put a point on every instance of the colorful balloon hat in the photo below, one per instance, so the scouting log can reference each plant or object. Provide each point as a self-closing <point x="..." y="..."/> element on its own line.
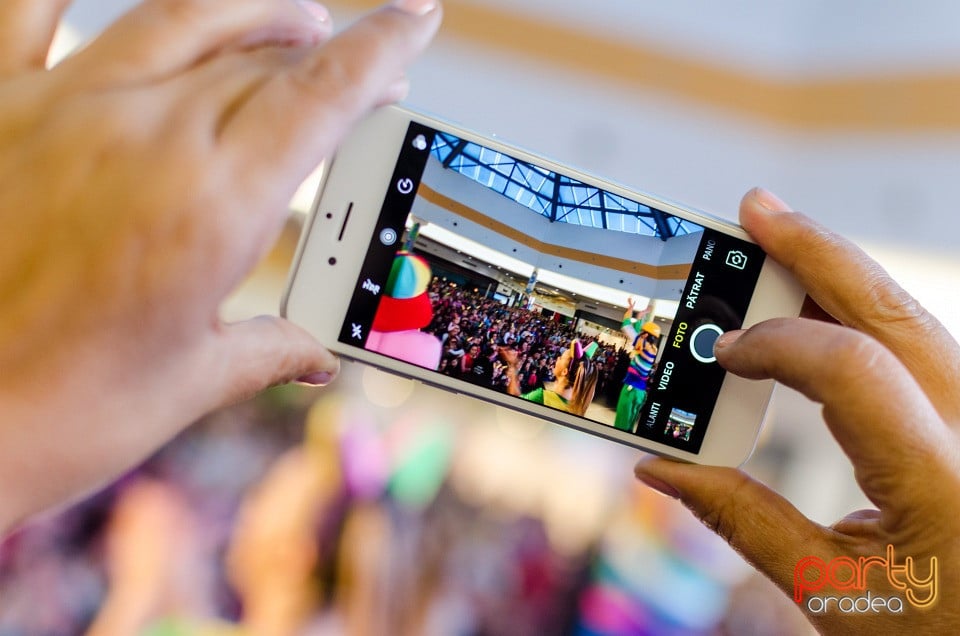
<point x="405" y="304"/>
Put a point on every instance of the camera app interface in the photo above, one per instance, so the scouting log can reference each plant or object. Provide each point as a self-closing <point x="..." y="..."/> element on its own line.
<point x="524" y="281"/>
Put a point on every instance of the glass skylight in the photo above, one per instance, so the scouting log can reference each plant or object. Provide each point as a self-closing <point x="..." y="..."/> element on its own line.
<point x="559" y="198"/>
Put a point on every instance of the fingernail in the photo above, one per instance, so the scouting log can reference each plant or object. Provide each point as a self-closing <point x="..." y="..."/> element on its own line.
<point x="317" y="11"/>
<point x="416" y="7"/>
<point x="770" y="201"/>
<point x="727" y="339"/>
<point x="321" y="378"/>
<point x="661" y="487"/>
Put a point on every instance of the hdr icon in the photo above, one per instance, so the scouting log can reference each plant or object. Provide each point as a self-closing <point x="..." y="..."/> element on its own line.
<point x="371" y="287"/>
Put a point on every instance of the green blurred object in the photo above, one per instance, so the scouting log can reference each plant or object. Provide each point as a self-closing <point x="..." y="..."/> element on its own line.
<point x="423" y="466"/>
<point x="178" y="627"/>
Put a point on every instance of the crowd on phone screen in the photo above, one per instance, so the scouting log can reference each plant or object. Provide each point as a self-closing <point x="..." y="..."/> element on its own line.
<point x="474" y="328"/>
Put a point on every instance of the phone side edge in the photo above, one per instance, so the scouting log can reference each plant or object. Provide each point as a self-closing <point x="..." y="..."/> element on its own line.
<point x="304" y="235"/>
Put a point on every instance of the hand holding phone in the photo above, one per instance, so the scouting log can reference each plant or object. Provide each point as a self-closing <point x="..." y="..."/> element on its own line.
<point x="427" y="239"/>
<point x="886" y="373"/>
<point x="140" y="131"/>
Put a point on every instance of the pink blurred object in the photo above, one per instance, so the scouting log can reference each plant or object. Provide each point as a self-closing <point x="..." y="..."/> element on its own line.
<point x="415" y="347"/>
<point x="366" y="463"/>
<point x="608" y="610"/>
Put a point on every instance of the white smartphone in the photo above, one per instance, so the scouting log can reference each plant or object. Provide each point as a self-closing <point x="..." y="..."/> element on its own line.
<point x="455" y="259"/>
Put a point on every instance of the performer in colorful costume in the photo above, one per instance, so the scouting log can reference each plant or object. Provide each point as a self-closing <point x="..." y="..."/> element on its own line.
<point x="404" y="309"/>
<point x="645" y="344"/>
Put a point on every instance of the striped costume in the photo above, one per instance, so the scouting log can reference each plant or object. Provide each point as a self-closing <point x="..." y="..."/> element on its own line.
<point x="634" y="391"/>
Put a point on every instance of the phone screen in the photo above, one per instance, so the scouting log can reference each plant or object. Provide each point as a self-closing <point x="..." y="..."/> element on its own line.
<point x="521" y="280"/>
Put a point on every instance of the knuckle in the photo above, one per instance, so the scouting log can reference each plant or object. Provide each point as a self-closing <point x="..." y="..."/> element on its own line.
<point x="350" y="72"/>
<point x="720" y="524"/>
<point x="855" y="350"/>
<point x="885" y="302"/>
<point x="811" y="239"/>
<point x="722" y="516"/>
<point x="814" y="235"/>
<point x="328" y="78"/>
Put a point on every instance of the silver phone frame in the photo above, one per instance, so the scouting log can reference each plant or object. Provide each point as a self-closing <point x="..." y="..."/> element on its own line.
<point x="741" y="406"/>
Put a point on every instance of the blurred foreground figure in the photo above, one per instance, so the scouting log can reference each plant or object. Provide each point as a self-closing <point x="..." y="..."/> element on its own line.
<point x="154" y="568"/>
<point x="273" y="553"/>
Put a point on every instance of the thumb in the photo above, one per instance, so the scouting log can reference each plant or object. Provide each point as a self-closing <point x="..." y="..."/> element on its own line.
<point x="758" y="523"/>
<point x="267" y="351"/>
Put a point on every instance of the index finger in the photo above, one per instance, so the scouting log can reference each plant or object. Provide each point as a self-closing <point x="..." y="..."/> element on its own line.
<point x="859" y="293"/>
<point x="297" y="118"/>
<point x="873" y="407"/>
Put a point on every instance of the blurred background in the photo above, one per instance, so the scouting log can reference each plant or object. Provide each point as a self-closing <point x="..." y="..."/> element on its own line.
<point x="380" y="506"/>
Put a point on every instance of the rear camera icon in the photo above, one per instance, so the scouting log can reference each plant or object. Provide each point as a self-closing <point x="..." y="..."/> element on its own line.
<point x="388" y="236"/>
<point x="736" y="259"/>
